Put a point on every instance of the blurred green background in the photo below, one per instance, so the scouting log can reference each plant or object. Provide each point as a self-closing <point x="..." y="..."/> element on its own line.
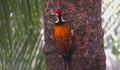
<point x="111" y="27"/>
<point x="22" y="34"/>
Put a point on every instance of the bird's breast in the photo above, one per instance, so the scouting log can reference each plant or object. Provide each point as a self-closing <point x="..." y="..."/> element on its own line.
<point x="62" y="30"/>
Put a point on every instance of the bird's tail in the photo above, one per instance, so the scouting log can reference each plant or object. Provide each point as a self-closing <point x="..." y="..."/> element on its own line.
<point x="67" y="59"/>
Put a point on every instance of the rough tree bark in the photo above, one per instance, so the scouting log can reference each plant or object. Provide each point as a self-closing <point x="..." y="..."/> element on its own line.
<point x="84" y="17"/>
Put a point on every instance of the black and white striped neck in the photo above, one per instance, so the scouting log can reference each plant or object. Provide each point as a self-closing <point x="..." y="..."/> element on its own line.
<point x="59" y="20"/>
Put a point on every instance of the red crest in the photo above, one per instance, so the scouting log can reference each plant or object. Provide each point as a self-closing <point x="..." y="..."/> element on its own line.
<point x="58" y="11"/>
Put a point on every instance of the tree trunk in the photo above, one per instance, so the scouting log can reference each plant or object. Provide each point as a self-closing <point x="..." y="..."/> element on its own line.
<point x="84" y="17"/>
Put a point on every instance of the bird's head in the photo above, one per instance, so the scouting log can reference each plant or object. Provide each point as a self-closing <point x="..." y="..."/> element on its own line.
<point x="60" y="20"/>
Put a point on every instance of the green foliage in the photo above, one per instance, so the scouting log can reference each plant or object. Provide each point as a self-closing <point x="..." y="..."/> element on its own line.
<point x="116" y="49"/>
<point x="20" y="35"/>
<point x="111" y="26"/>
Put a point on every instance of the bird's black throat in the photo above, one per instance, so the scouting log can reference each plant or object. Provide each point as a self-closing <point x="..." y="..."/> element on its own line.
<point x="59" y="20"/>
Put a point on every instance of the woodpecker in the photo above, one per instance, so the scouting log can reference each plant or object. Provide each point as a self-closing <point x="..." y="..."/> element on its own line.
<point x="62" y="34"/>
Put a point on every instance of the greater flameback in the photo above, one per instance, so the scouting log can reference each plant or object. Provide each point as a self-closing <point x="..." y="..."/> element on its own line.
<point x="62" y="34"/>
